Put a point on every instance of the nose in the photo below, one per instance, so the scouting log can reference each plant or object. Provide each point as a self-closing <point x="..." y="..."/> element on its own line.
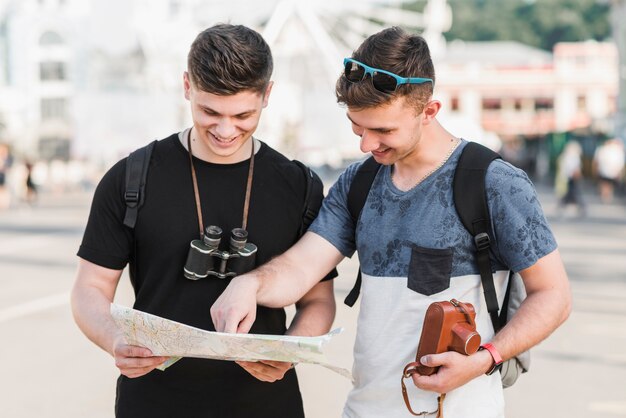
<point x="225" y="128"/>
<point x="368" y="142"/>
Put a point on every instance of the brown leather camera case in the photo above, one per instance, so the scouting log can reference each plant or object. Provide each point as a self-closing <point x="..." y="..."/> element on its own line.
<point x="448" y="326"/>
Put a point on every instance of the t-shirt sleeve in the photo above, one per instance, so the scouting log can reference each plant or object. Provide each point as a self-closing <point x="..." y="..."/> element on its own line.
<point x="106" y="241"/>
<point x="334" y="223"/>
<point x="522" y="233"/>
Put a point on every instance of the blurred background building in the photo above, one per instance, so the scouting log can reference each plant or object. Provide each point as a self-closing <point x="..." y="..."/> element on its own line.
<point x="83" y="82"/>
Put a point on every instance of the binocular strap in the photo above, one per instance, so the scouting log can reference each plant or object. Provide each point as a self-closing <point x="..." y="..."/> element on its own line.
<point x="246" y="205"/>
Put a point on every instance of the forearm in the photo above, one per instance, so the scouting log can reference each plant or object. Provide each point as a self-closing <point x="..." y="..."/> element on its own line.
<point x="91" y="312"/>
<point x="286" y="279"/>
<point x="546" y="307"/>
<point x="538" y="316"/>
<point x="91" y="298"/>
<point x="315" y="313"/>
<point x="278" y="283"/>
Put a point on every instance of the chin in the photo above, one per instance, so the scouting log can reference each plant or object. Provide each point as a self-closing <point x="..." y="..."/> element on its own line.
<point x="385" y="159"/>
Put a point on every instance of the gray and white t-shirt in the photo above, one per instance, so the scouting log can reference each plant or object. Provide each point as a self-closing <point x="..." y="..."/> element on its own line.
<point x="413" y="251"/>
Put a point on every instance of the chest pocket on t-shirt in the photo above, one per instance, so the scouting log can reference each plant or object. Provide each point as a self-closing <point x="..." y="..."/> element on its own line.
<point x="429" y="270"/>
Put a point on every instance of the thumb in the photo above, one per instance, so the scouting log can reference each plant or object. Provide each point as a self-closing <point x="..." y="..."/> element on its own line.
<point x="433" y="360"/>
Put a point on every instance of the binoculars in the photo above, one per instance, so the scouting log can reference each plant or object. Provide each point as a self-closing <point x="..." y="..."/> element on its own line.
<point x="206" y="259"/>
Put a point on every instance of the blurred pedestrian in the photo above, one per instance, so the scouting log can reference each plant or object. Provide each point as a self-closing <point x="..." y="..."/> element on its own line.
<point x="31" y="188"/>
<point x="6" y="161"/>
<point x="568" y="178"/>
<point x="608" y="164"/>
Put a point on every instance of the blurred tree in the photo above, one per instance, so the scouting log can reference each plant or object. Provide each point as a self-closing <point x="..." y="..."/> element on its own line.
<point x="539" y="23"/>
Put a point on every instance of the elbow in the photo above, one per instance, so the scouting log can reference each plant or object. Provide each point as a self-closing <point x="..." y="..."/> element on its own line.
<point x="563" y="309"/>
<point x="74" y="303"/>
<point x="567" y="308"/>
<point x="327" y="305"/>
<point x="316" y="314"/>
<point x="332" y="311"/>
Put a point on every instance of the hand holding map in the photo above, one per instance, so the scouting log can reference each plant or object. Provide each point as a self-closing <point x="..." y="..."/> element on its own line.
<point x="169" y="338"/>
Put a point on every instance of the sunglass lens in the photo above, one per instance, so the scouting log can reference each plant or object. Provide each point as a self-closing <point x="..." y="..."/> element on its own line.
<point x="384" y="82"/>
<point x="354" y="72"/>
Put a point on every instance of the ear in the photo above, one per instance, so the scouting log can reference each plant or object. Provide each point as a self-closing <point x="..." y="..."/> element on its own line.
<point x="430" y="110"/>
<point x="266" y="95"/>
<point x="186" y="84"/>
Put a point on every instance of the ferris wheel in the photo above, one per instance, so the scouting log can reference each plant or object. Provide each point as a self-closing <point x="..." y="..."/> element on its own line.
<point x="339" y="26"/>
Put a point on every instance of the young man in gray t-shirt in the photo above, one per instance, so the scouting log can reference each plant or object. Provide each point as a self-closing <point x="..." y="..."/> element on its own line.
<point x="412" y="246"/>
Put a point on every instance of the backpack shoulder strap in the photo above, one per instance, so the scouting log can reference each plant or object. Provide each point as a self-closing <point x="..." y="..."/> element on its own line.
<point x="357" y="195"/>
<point x="360" y="187"/>
<point x="137" y="165"/>
<point x="313" y="187"/>
<point x="470" y="201"/>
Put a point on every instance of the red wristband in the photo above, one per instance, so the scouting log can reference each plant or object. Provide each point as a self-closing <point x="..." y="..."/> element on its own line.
<point x="497" y="358"/>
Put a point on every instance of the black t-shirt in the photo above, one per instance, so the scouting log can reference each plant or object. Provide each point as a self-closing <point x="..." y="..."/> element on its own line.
<point x="156" y="252"/>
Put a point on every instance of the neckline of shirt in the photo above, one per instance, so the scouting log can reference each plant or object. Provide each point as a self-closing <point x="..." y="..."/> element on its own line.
<point x="453" y="159"/>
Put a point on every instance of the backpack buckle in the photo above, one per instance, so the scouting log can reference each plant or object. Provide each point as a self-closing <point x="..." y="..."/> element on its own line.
<point x="131" y="196"/>
<point x="482" y="241"/>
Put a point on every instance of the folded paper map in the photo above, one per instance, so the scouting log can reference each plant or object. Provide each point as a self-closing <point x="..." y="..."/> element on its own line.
<point x="175" y="340"/>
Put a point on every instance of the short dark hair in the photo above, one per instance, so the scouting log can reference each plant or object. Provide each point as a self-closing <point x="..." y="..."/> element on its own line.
<point x="395" y="50"/>
<point x="227" y="59"/>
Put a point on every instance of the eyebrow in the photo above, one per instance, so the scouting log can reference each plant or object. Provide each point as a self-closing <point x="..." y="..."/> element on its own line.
<point x="379" y="129"/>
<point x="244" y="113"/>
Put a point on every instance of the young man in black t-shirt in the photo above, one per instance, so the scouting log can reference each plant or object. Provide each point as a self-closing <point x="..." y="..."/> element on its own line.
<point x="200" y="177"/>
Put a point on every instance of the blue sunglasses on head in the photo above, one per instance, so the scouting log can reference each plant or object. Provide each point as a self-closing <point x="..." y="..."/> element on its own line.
<point x="382" y="80"/>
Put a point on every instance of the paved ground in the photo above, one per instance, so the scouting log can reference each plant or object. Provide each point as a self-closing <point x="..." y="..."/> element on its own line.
<point x="49" y="369"/>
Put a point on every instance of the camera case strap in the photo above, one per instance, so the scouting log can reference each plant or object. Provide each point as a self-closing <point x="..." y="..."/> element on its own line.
<point x="448" y="326"/>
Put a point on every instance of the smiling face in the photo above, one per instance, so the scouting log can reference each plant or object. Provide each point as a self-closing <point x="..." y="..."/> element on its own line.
<point x="391" y="132"/>
<point x="223" y="125"/>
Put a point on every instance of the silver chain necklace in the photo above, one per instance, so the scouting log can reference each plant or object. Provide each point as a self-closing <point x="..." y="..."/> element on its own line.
<point x="445" y="159"/>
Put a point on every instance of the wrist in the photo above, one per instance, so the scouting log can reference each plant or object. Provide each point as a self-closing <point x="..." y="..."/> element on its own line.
<point x="495" y="357"/>
<point x="117" y="341"/>
<point x="253" y="282"/>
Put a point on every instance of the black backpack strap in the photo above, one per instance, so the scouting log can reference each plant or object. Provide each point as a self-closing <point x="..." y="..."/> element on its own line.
<point x="357" y="195"/>
<point x="136" y="173"/>
<point x="360" y="187"/>
<point x="470" y="201"/>
<point x="504" y="317"/>
<point x="350" y="300"/>
<point x="313" y="186"/>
